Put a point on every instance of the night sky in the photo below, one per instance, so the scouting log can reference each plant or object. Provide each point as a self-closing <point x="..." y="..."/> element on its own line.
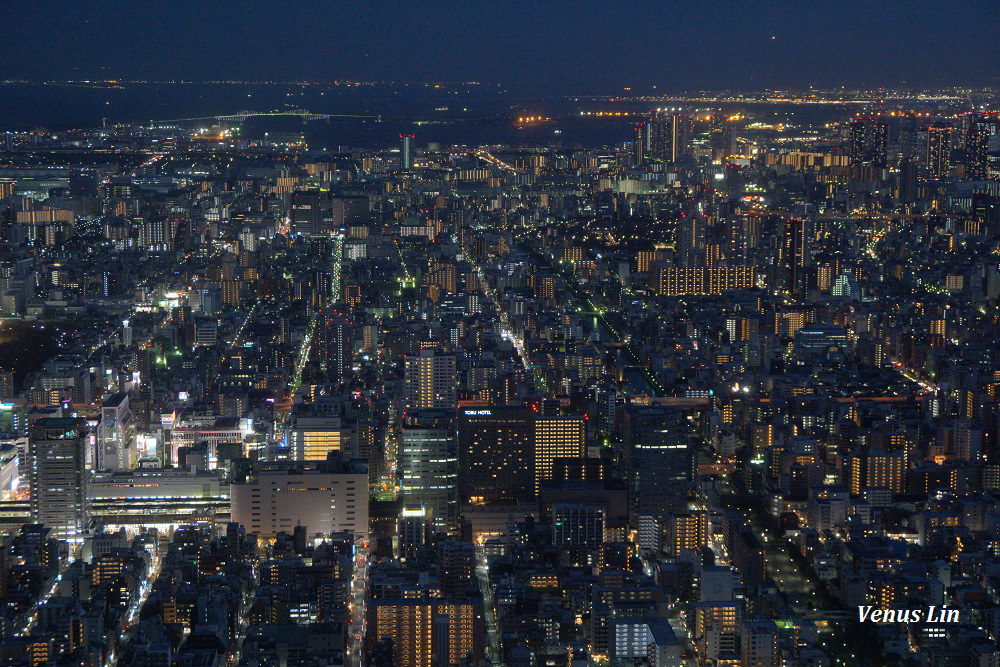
<point x="542" y="47"/>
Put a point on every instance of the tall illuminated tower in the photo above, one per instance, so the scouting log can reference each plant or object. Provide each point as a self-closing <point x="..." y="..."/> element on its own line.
<point x="869" y="142"/>
<point x="977" y="145"/>
<point x="407" y="156"/>
<point x="429" y="466"/>
<point x="938" y="151"/>
<point x="58" y="478"/>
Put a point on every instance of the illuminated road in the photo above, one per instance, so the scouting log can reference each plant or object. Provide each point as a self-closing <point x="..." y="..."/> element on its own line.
<point x="359" y="592"/>
<point x="911" y="375"/>
<point x="135" y="608"/>
<point x="494" y="649"/>
<point x="496" y="162"/>
<point x="507" y="333"/>
<point x="246" y="320"/>
<point x="45" y="598"/>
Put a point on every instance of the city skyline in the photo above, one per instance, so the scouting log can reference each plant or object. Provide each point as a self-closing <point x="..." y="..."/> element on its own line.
<point x="544" y="335"/>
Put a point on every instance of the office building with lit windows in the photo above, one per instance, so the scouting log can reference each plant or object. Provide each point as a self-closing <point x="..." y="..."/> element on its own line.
<point x="58" y="475"/>
<point x="869" y="142"/>
<point x="316" y="429"/>
<point x="496" y="454"/>
<point x="429" y="380"/>
<point x="556" y="438"/>
<point x="428" y="463"/>
<point x="979" y="136"/>
<point x="664" y="137"/>
<point x="658" y="459"/>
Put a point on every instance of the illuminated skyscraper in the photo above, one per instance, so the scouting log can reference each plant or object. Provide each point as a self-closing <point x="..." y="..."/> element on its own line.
<point x="429" y="466"/>
<point x="669" y="280"/>
<point x="664" y="136"/>
<point x="427" y="632"/>
<point x="642" y="143"/>
<point x="407" y="159"/>
<point x="977" y="147"/>
<point x="658" y="459"/>
<point x="496" y="454"/>
<point x="797" y="237"/>
<point x="938" y="151"/>
<point x="335" y="343"/>
<point x="429" y="380"/>
<point x="58" y="478"/>
<point x="869" y="140"/>
<point x="685" y="531"/>
<point x="722" y="137"/>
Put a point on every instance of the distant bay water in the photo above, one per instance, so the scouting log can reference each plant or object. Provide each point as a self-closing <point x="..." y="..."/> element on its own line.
<point x="364" y="115"/>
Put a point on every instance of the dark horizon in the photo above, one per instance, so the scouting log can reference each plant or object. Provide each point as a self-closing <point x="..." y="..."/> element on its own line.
<point x="557" y="48"/>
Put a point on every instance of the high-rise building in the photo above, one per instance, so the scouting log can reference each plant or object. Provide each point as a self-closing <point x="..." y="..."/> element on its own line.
<point x="686" y="531"/>
<point x="6" y="383"/>
<point x="429" y="466"/>
<point x="429" y="380"/>
<point x="658" y="459"/>
<point x="664" y="136"/>
<point x="607" y="419"/>
<point x="742" y="237"/>
<point x="58" y="476"/>
<point x="722" y="137"/>
<point x="557" y="437"/>
<point x="938" y="151"/>
<point x="691" y="232"/>
<point x="335" y="343"/>
<point x="674" y="281"/>
<point x="116" y="449"/>
<point x="407" y="158"/>
<point x="496" y="454"/>
<point x="908" y="181"/>
<point x="885" y="469"/>
<point x="715" y="629"/>
<point x="868" y="142"/>
<point x="305" y="212"/>
<point x="977" y="147"/>
<point x="797" y="237"/>
<point x="642" y="143"/>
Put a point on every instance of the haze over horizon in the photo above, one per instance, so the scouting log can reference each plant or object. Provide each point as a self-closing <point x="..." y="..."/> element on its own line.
<point x="584" y="47"/>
